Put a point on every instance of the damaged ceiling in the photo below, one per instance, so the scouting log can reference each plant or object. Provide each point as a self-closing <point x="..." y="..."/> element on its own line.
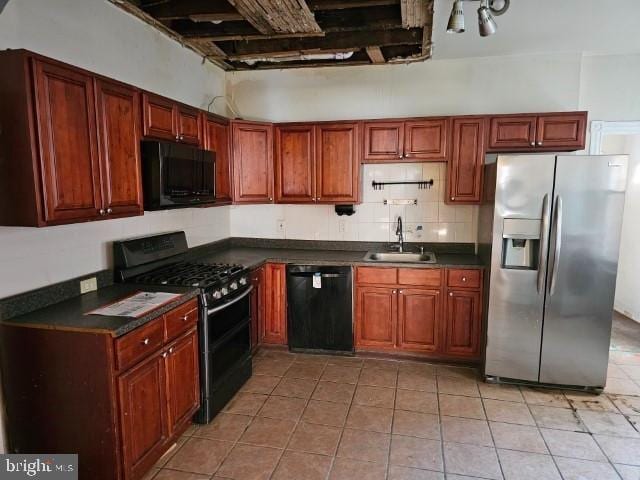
<point x="264" y="34"/>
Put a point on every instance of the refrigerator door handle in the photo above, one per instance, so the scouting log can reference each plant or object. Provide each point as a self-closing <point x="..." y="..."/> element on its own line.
<point x="544" y="240"/>
<point x="558" y="244"/>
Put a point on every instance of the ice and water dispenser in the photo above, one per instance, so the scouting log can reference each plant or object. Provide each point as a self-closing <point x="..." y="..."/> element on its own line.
<point x="520" y="243"/>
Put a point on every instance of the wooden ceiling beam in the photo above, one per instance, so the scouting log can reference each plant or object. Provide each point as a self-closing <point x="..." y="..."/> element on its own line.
<point x="331" y="41"/>
<point x="375" y="54"/>
<point x="277" y="16"/>
<point x="414" y="13"/>
<point x="319" y="5"/>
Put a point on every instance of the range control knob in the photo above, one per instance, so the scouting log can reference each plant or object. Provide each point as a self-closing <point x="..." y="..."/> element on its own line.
<point x="243" y="281"/>
<point x="233" y="286"/>
<point x="217" y="295"/>
<point x="224" y="290"/>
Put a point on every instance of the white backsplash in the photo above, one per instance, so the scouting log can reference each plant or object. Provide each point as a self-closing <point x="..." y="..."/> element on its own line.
<point x="373" y="220"/>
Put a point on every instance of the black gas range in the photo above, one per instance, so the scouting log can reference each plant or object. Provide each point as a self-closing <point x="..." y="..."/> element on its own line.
<point x="225" y="309"/>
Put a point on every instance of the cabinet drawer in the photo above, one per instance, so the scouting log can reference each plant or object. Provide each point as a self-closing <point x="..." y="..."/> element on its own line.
<point x="180" y="319"/>
<point x="422" y="277"/>
<point x="138" y="343"/>
<point x="465" y="278"/>
<point x="377" y="275"/>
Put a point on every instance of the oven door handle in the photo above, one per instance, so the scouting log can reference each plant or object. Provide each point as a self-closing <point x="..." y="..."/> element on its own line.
<point x="237" y="299"/>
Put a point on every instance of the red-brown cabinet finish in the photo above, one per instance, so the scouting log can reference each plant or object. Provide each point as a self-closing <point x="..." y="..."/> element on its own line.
<point x="427" y="140"/>
<point x="463" y="323"/>
<point x="66" y="121"/>
<point x="182" y="369"/>
<point x="189" y="125"/>
<point x="295" y="180"/>
<point x="252" y="162"/>
<point x="376" y="317"/>
<point x="274" y="330"/>
<point x="419" y="314"/>
<point x="562" y="131"/>
<point x="383" y="141"/>
<point x="257" y="306"/>
<point x="512" y="133"/>
<point x="217" y="140"/>
<point x="119" y="132"/>
<point x="159" y="117"/>
<point x="143" y="404"/>
<point x="337" y="162"/>
<point x="464" y="181"/>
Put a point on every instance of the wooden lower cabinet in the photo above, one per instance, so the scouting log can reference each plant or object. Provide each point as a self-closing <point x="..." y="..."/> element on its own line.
<point x="274" y="328"/>
<point x="182" y="367"/>
<point x="376" y="316"/>
<point x="257" y="306"/>
<point x="463" y="323"/>
<point x="430" y="317"/>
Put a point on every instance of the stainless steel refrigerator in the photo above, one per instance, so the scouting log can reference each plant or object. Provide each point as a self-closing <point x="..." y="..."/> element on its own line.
<point x="550" y="228"/>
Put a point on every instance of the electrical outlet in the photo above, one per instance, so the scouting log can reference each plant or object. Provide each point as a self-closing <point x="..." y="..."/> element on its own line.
<point x="88" y="285"/>
<point x="280" y="226"/>
<point x="342" y="226"/>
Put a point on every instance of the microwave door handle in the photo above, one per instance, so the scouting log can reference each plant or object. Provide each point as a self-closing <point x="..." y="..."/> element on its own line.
<point x="228" y="304"/>
<point x="558" y="245"/>
<point x="544" y="240"/>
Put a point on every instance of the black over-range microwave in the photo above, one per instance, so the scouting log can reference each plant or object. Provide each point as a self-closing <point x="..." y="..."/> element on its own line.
<point x="175" y="175"/>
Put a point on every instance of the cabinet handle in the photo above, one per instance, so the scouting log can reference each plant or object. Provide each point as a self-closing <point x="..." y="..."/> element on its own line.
<point x="464" y="279"/>
<point x="109" y="211"/>
<point x="171" y="350"/>
<point x="102" y="212"/>
<point x="181" y="137"/>
<point x="164" y="355"/>
<point x="400" y="292"/>
<point x="177" y="137"/>
<point x="539" y="144"/>
<point x="185" y="318"/>
<point x="451" y="294"/>
<point x="271" y="199"/>
<point x="400" y="156"/>
<point x="394" y="291"/>
<point x="453" y="198"/>
<point x="145" y="341"/>
<point x="533" y="144"/>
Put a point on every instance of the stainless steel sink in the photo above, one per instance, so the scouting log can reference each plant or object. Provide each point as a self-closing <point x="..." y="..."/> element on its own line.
<point x="397" y="257"/>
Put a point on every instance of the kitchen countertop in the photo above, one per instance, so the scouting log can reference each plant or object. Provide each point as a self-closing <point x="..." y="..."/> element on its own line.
<point x="70" y="314"/>
<point x="253" y="257"/>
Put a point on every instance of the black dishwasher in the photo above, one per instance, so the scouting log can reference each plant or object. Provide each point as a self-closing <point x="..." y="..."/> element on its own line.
<point x="319" y="302"/>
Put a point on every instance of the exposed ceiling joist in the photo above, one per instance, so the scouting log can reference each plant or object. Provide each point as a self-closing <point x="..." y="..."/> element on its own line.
<point x="375" y="54"/>
<point x="213" y="11"/>
<point x="414" y="13"/>
<point x="317" y="5"/>
<point x="277" y="16"/>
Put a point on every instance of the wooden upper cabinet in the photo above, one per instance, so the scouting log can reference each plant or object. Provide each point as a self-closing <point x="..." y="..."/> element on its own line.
<point x="337" y="162"/>
<point x="562" y="131"/>
<point x="159" y="117"/>
<point x="419" y="314"/>
<point x="512" y="132"/>
<point x="376" y="317"/>
<point x="119" y="131"/>
<point x="274" y="330"/>
<point x="143" y="404"/>
<point x="216" y="139"/>
<point x="66" y="121"/>
<point x="463" y="323"/>
<point x="252" y="162"/>
<point x="464" y="181"/>
<point x="383" y="141"/>
<point x="183" y="385"/>
<point x="426" y="140"/>
<point x="295" y="180"/>
<point x="166" y="119"/>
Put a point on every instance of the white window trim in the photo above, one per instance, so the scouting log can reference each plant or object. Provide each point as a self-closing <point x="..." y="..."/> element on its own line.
<point x="601" y="128"/>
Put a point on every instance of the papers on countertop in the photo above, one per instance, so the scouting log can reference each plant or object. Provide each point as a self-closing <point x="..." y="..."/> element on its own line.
<point x="136" y="305"/>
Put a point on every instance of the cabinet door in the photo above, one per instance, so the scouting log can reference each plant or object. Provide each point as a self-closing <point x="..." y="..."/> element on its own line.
<point x="159" y="117"/>
<point x="462" y="323"/>
<point x="295" y="164"/>
<point x="376" y="317"/>
<point x="257" y="306"/>
<point x="183" y="381"/>
<point x="465" y="166"/>
<point x="143" y="403"/>
<point x="66" y="120"/>
<point x="189" y="125"/>
<point x="427" y="139"/>
<point x="217" y="140"/>
<point x="337" y="163"/>
<point x="252" y="162"/>
<point x="383" y="141"/>
<point x="562" y="131"/>
<point x="119" y="130"/>
<point x="512" y="133"/>
<point x="419" y="319"/>
<point x="275" y="310"/>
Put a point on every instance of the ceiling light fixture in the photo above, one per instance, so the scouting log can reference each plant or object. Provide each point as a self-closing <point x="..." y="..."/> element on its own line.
<point x="486" y="23"/>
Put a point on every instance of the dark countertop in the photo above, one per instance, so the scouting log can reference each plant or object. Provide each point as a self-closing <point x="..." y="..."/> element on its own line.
<point x="252" y="257"/>
<point x="70" y="314"/>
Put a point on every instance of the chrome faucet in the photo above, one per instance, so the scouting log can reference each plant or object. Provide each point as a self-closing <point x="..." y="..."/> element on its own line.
<point x="400" y="235"/>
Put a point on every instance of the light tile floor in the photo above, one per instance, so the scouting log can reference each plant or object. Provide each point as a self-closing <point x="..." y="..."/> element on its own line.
<point x="317" y="417"/>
